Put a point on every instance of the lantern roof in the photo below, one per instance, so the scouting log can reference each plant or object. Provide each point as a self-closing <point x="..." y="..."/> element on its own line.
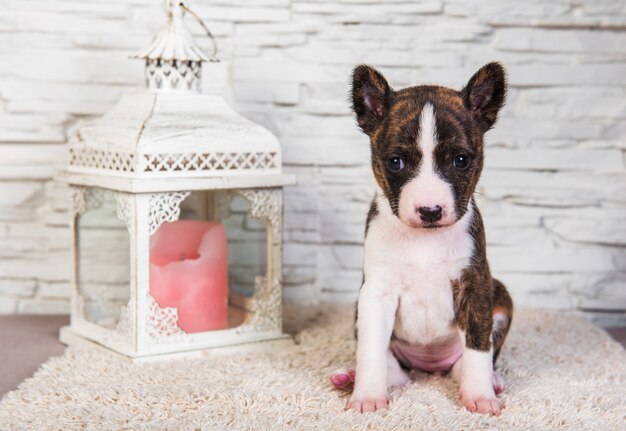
<point x="171" y="131"/>
<point x="173" y="42"/>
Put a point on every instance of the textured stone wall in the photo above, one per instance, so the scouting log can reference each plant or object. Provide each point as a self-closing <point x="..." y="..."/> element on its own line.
<point x="553" y="193"/>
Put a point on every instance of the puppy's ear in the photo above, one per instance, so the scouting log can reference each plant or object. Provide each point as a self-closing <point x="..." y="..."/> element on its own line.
<point x="485" y="93"/>
<point x="371" y="97"/>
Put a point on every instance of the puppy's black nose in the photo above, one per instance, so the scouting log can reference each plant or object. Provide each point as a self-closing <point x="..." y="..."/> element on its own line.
<point x="429" y="214"/>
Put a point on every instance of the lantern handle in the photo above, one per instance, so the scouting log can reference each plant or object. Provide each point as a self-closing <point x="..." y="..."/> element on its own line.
<point x="186" y="8"/>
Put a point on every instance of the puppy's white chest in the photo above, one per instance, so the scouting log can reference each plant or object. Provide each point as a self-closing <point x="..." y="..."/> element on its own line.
<point x="425" y="306"/>
<point x="425" y="300"/>
<point x="418" y="269"/>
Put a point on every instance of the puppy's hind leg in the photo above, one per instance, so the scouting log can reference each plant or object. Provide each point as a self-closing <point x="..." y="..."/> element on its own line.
<point x="343" y="379"/>
<point x="396" y="376"/>
<point x="502" y="316"/>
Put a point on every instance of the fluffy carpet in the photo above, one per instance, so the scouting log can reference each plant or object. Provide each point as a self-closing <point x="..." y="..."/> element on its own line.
<point x="560" y="372"/>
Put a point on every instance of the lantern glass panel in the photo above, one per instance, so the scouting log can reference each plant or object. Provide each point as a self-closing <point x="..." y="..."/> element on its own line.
<point x="247" y="247"/>
<point x="205" y="264"/>
<point x="103" y="252"/>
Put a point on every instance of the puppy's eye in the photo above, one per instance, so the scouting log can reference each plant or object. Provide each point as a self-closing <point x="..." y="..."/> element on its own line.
<point x="396" y="164"/>
<point x="461" y="161"/>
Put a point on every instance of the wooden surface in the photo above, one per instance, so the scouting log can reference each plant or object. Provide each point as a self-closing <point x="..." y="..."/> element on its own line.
<point x="26" y="342"/>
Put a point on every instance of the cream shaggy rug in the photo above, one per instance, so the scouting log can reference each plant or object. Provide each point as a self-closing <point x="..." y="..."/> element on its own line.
<point x="560" y="372"/>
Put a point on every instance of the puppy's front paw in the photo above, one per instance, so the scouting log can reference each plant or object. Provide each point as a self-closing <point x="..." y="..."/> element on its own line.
<point x="488" y="404"/>
<point x="363" y="405"/>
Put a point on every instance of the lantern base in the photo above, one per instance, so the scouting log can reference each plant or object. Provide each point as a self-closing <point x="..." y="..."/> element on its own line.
<point x="283" y="341"/>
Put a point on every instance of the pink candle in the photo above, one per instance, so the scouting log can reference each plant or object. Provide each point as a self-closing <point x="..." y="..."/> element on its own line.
<point x="189" y="271"/>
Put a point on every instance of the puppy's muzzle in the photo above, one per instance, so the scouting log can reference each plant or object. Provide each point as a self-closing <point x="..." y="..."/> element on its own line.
<point x="430" y="214"/>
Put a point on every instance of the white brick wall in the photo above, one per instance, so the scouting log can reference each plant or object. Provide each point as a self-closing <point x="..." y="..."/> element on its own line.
<point x="553" y="193"/>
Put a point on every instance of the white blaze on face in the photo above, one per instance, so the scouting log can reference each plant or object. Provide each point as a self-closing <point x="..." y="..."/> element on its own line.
<point x="427" y="189"/>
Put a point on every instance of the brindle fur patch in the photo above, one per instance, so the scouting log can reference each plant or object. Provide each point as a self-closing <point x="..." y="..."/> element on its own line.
<point x="502" y="303"/>
<point x="371" y="214"/>
<point x="473" y="292"/>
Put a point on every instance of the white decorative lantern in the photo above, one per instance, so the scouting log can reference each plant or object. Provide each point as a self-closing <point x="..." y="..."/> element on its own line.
<point x="156" y="152"/>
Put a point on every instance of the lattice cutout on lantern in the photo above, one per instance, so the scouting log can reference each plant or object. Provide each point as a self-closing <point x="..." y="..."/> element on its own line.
<point x="126" y="321"/>
<point x="101" y="159"/>
<point x="125" y="209"/>
<point x="83" y="199"/>
<point x="172" y="162"/>
<point x="172" y="74"/>
<point x="164" y="207"/>
<point x="208" y="162"/>
<point x="267" y="306"/>
<point x="265" y="204"/>
<point x="162" y="323"/>
<point x="122" y="332"/>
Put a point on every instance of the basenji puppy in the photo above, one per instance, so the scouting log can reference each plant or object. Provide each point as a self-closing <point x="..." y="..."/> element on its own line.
<point x="428" y="300"/>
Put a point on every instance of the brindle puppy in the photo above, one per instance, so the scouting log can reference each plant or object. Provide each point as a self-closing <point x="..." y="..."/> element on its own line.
<point x="428" y="300"/>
